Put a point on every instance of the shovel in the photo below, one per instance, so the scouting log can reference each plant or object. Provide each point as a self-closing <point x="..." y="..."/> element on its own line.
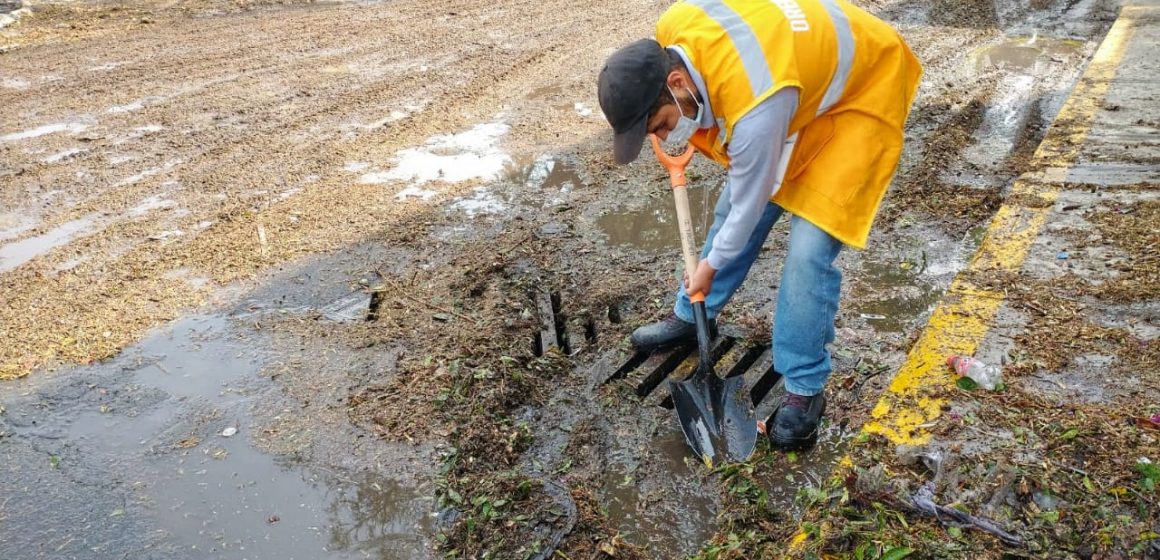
<point x="716" y="415"/>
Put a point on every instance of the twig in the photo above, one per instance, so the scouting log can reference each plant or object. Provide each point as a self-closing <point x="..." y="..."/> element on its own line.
<point x="516" y="244"/>
<point x="1071" y="468"/>
<point x="923" y="501"/>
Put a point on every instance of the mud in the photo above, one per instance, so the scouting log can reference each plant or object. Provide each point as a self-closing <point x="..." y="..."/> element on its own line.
<point x="267" y="180"/>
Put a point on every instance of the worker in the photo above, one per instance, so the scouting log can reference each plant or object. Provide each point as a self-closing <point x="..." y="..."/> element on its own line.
<point x="804" y="102"/>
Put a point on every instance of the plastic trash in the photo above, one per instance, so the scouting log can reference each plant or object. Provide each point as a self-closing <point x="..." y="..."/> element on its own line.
<point x="988" y="377"/>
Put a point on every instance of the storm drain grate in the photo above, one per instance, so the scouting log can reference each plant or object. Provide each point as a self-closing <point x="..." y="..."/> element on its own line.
<point x="730" y="359"/>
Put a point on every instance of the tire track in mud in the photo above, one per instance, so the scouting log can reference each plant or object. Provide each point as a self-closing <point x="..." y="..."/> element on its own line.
<point x="249" y="150"/>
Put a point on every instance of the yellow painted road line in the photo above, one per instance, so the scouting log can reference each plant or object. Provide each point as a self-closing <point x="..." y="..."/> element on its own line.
<point x="913" y="402"/>
<point x="965" y="314"/>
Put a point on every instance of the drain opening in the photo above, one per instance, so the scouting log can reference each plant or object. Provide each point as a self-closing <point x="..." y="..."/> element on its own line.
<point x="375" y="304"/>
<point x="560" y="323"/>
<point x="721" y="347"/>
<point x="628" y="367"/>
<point x="764" y="385"/>
<point x="662" y="371"/>
<point x="537" y="345"/>
<point x="590" y="330"/>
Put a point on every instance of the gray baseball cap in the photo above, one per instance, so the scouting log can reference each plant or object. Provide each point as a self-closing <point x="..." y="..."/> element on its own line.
<point x="628" y="87"/>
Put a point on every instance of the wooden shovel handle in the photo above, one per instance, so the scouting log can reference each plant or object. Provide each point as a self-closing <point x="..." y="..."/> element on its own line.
<point x="676" y="168"/>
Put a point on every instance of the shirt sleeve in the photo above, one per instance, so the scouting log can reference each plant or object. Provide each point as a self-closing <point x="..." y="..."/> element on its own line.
<point x="755" y="150"/>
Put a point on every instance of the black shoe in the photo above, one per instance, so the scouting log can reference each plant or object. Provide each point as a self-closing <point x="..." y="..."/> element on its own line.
<point x="794" y="425"/>
<point x="668" y="332"/>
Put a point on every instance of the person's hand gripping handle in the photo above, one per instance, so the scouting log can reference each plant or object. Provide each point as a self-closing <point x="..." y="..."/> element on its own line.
<point x="676" y="168"/>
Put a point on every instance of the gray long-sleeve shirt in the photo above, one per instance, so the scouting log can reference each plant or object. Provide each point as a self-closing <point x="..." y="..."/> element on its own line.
<point x="755" y="152"/>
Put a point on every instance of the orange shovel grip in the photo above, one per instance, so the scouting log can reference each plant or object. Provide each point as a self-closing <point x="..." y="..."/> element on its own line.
<point x="674" y="164"/>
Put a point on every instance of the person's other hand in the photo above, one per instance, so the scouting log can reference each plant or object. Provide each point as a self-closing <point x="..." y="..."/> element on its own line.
<point x="701" y="280"/>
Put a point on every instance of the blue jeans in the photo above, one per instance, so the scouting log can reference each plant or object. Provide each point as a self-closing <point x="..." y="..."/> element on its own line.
<point x="807" y="298"/>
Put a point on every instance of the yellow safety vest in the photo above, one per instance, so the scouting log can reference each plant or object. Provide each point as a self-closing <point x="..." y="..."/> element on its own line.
<point x="855" y="77"/>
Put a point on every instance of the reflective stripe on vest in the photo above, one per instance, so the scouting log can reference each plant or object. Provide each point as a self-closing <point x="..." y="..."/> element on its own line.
<point x="744" y="42"/>
<point x="753" y="56"/>
<point x="845" y="56"/>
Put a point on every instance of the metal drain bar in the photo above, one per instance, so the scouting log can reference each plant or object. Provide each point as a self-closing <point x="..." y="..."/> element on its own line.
<point x="728" y="356"/>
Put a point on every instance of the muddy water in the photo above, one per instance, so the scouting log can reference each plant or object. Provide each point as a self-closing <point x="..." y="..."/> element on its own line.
<point x="653" y="226"/>
<point x="898" y="295"/>
<point x="153" y="452"/>
<point x="680" y="520"/>
<point x="1028" y="54"/>
<point x="1025" y="71"/>
<point x="808" y="469"/>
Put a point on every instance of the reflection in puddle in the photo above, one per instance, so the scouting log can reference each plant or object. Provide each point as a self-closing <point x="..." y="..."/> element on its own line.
<point x="13" y="224"/>
<point x="481" y="201"/>
<point x="654" y="227"/>
<point x="648" y="521"/>
<point x="185" y="445"/>
<point x="908" y="295"/>
<point x="71" y="128"/>
<point x="17" y="253"/>
<point x="551" y="179"/>
<point x="452" y="158"/>
<point x="1027" y="54"/>
<point x="808" y="469"/>
<point x="227" y="495"/>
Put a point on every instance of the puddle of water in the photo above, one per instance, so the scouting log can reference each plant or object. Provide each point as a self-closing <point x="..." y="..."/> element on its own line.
<point x="673" y="534"/>
<point x="148" y="173"/>
<point x="134" y="106"/>
<point x="908" y="296"/>
<point x="645" y="522"/>
<point x="809" y="469"/>
<point x="654" y="227"/>
<point x="416" y="192"/>
<point x="350" y="308"/>
<point x="1021" y="65"/>
<point x="547" y="173"/>
<point x="72" y="128"/>
<point x="13" y="224"/>
<point x="60" y="156"/>
<point x="221" y="498"/>
<point x="1027" y="54"/>
<point x="15" y="83"/>
<point x="452" y="158"/>
<point x="17" y="253"/>
<point x="154" y="202"/>
<point x="107" y="66"/>
<point x="482" y="201"/>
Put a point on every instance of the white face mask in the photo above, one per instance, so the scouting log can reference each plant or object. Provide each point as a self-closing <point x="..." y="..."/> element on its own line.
<point x="680" y="134"/>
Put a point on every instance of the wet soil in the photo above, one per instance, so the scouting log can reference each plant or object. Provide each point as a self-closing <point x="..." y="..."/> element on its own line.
<point x="280" y="180"/>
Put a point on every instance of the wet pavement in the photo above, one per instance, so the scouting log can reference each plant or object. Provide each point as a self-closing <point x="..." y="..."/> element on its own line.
<point x="151" y="455"/>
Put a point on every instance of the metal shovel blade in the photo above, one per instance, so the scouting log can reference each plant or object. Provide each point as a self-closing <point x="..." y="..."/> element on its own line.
<point x="694" y="407"/>
<point x="736" y="421"/>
